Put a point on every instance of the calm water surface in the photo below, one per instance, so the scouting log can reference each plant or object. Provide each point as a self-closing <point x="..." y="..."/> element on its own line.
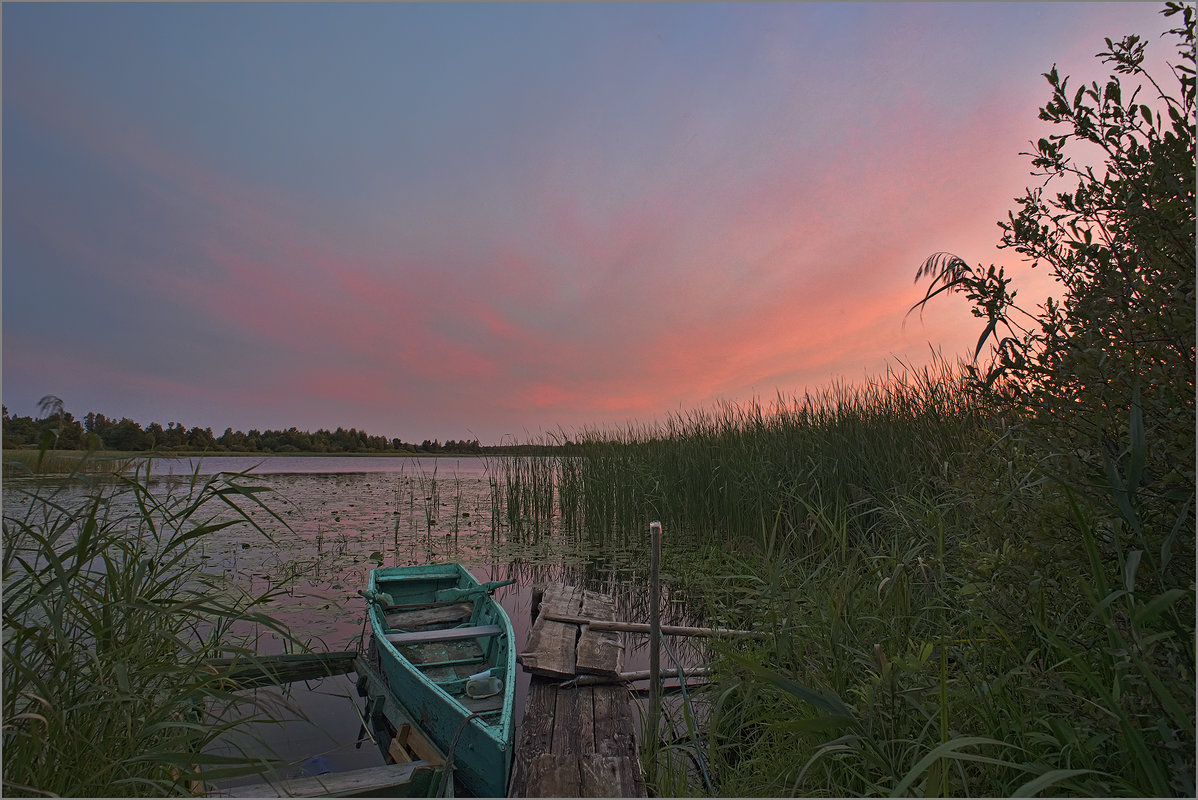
<point x="337" y="517"/>
<point x="276" y="465"/>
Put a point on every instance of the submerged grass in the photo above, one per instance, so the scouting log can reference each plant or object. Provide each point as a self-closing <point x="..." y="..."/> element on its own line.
<point x="955" y="609"/>
<point x="108" y="624"/>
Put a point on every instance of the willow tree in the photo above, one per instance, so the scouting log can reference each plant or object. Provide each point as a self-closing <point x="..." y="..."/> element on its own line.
<point x="1109" y="364"/>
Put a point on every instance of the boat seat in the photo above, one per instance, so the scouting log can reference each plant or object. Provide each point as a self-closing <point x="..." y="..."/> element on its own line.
<point x="444" y="634"/>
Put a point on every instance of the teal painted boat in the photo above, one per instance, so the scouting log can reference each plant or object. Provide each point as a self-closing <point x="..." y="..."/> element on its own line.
<point x="445" y="648"/>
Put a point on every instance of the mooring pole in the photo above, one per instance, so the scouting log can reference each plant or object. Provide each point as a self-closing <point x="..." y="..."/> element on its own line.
<point x="655" y="634"/>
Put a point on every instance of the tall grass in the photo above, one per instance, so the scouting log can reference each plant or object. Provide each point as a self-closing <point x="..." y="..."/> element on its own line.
<point x="711" y="474"/>
<point x="108" y="623"/>
<point x="63" y="462"/>
<point x="955" y="609"/>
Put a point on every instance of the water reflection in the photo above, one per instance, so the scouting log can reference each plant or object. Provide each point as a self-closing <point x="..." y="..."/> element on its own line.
<point x="320" y="465"/>
<point x="329" y="520"/>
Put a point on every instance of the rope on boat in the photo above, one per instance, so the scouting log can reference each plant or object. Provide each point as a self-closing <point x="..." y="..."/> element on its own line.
<point x="447" y="775"/>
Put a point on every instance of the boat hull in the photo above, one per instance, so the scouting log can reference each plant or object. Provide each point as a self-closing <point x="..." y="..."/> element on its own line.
<point x="438" y="645"/>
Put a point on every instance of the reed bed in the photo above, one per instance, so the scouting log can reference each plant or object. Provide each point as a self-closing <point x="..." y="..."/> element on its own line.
<point x="956" y="609"/>
<point x="64" y="462"/>
<point x="715" y="473"/>
<point x="109" y="621"/>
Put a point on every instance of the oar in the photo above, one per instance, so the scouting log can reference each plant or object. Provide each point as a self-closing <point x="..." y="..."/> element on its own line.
<point x="381" y="598"/>
<point x="464" y="594"/>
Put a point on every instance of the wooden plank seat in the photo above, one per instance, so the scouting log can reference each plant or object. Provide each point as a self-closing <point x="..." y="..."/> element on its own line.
<point x="453" y="614"/>
<point x="444" y="634"/>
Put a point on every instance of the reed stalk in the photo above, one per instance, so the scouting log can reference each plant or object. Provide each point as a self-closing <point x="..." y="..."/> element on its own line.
<point x="109" y="620"/>
<point x="954" y="608"/>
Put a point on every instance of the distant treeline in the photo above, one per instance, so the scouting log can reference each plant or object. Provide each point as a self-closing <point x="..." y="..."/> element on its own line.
<point x="128" y="435"/>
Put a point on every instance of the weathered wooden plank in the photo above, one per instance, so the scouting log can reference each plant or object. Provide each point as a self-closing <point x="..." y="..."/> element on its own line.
<point x="444" y="635"/>
<point x="581" y="775"/>
<point x="371" y="684"/>
<point x="357" y="782"/>
<point x="483" y="705"/>
<point x="551" y="775"/>
<point x="636" y="675"/>
<point x="576" y="741"/>
<point x="567" y="735"/>
<point x="452" y="614"/>
<point x="573" y="728"/>
<point x="551" y="648"/>
<point x="599" y="651"/>
<point x="536" y="733"/>
<point x="614" y="738"/>
<point x="410" y="744"/>
<point x="614" y="722"/>
<point x="248" y="672"/>
<point x="643" y="627"/>
<point x="609" y="776"/>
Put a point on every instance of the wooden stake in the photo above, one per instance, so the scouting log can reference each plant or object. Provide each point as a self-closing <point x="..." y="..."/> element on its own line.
<point x="654" y="639"/>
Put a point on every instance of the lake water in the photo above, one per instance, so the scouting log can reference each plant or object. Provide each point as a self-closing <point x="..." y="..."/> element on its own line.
<point x="337" y="517"/>
<point x="276" y="465"/>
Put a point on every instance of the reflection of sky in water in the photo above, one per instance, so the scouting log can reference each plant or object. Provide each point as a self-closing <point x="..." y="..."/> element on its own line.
<point x="333" y="527"/>
<point x="445" y="466"/>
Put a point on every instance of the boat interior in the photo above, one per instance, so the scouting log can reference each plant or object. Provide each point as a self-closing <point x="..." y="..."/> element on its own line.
<point x="456" y="643"/>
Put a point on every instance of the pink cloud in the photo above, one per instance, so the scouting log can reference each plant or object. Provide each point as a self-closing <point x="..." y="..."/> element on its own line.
<point x="706" y="280"/>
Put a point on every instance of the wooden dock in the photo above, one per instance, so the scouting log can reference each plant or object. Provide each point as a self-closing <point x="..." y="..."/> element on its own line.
<point x="577" y="738"/>
<point x="576" y="741"/>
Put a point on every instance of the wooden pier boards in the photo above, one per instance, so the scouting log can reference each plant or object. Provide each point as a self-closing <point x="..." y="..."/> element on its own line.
<point x="576" y="741"/>
<point x="563" y="649"/>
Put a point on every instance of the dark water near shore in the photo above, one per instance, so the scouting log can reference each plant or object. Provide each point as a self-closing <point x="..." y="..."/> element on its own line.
<point x="338" y="518"/>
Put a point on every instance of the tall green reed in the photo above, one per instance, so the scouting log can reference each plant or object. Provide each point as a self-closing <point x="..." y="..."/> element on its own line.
<point x="63" y="462"/>
<point x="109" y="621"/>
<point x="992" y="629"/>
<point x="955" y="609"/>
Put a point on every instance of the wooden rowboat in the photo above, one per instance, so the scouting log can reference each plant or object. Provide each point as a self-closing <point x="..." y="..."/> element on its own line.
<point x="445" y="647"/>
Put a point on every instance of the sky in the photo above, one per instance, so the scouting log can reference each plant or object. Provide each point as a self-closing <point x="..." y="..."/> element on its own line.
<point x="499" y="221"/>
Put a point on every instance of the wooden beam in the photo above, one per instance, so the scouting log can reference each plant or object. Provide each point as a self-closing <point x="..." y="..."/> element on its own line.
<point x="405" y="778"/>
<point x="444" y="634"/>
<point x="248" y="672"/>
<point x="372" y="684"/>
<point x="641" y="627"/>
<point x="410" y="744"/>
<point x="638" y="675"/>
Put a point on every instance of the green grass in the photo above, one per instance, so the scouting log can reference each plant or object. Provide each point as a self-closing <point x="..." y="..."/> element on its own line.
<point x="108" y="620"/>
<point x="956" y="609"/>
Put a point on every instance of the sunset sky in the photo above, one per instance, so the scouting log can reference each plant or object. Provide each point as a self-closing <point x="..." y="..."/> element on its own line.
<point x="463" y="221"/>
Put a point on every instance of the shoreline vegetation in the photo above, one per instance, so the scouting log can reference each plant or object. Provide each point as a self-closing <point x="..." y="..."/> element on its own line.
<point x="30" y="461"/>
<point x="979" y="579"/>
<point x="110" y="623"/>
<point x="58" y="428"/>
<point x="957" y="608"/>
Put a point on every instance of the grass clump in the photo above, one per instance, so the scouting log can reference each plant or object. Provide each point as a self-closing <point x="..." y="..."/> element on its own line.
<point x="108" y="624"/>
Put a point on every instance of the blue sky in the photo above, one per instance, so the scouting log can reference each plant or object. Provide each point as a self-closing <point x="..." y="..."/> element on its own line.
<point x="452" y="220"/>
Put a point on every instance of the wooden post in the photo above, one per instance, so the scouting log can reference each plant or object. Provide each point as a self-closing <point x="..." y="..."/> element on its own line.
<point x="654" y="643"/>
